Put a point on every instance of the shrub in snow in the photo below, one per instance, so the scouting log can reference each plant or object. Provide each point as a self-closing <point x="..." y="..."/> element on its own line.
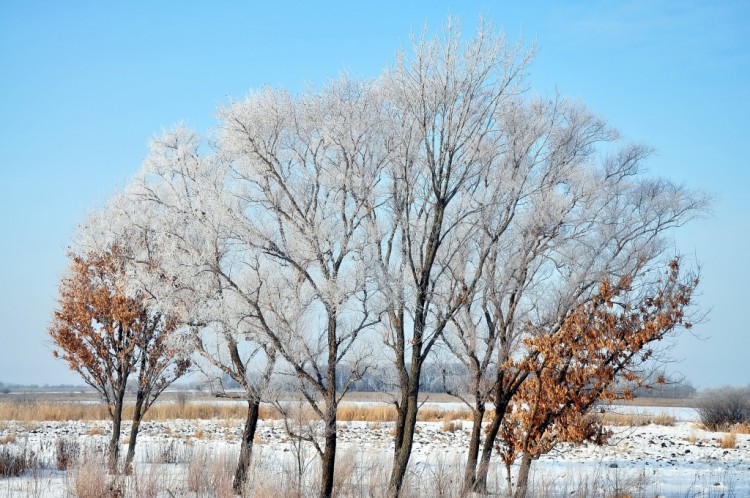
<point x="720" y="409"/>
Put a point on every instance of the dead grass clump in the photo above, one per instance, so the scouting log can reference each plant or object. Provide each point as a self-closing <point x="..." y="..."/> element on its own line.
<point x="210" y="475"/>
<point x="95" y="430"/>
<point x="346" y="465"/>
<point x="16" y="461"/>
<point x="148" y="483"/>
<point x="67" y="451"/>
<point x="435" y="414"/>
<point x="743" y="428"/>
<point x="8" y="438"/>
<point x="664" y="419"/>
<point x="90" y="480"/>
<point x="452" y="425"/>
<point x="728" y="441"/>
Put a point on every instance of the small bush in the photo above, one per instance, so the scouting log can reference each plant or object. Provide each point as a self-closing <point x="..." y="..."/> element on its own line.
<point x="720" y="409"/>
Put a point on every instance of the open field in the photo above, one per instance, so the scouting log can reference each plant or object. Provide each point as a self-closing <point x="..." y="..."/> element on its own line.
<point x="189" y="448"/>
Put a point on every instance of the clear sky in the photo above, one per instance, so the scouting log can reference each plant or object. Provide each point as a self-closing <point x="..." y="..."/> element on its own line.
<point x="84" y="85"/>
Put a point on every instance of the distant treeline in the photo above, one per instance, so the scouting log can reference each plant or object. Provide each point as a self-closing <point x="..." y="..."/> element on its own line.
<point x="451" y="377"/>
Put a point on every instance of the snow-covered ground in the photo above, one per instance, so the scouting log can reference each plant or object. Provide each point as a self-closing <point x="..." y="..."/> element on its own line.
<point x="653" y="460"/>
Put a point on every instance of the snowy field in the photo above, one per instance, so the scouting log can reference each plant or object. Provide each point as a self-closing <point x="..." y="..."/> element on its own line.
<point x="681" y="460"/>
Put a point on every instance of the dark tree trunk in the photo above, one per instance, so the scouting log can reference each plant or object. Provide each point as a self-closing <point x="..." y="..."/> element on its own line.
<point x="480" y="484"/>
<point x="470" y="474"/>
<point x="403" y="452"/>
<point x="328" y="459"/>
<point x="114" y="441"/>
<point x="400" y="424"/>
<point x="246" y="447"/>
<point x="138" y="414"/>
<point x="522" y="481"/>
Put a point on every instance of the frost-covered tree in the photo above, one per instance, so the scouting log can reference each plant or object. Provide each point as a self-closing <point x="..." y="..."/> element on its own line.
<point x="594" y="217"/>
<point x="437" y="205"/>
<point x="447" y="200"/>
<point x="503" y="210"/>
<point x="260" y="237"/>
<point x="192" y="265"/>
<point x="304" y="173"/>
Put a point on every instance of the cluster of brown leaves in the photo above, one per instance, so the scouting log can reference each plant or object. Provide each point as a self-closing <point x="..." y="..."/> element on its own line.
<point x="580" y="363"/>
<point x="105" y="335"/>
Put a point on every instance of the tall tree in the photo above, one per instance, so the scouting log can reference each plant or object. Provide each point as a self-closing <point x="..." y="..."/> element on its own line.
<point x="266" y="226"/>
<point x="446" y="201"/>
<point x="192" y="265"/>
<point x="306" y="170"/>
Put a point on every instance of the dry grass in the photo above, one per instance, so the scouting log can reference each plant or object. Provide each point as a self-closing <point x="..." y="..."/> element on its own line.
<point x="16" y="463"/>
<point x="433" y="414"/>
<point x="634" y="419"/>
<point x="743" y="428"/>
<point x="67" y="452"/>
<point x="452" y="425"/>
<point x="728" y="441"/>
<point x="90" y="480"/>
<point x="35" y="411"/>
<point x="210" y="475"/>
<point x="378" y="413"/>
<point x="70" y="410"/>
<point x="95" y="430"/>
<point x="8" y="438"/>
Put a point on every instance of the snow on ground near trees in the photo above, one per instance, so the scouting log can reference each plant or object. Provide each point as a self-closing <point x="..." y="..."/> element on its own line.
<point x="678" y="460"/>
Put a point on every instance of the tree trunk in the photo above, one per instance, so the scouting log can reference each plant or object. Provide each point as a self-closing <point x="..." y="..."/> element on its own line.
<point x="522" y="481"/>
<point x="328" y="459"/>
<point x="138" y="414"/>
<point x="246" y="447"/>
<point x="114" y="441"/>
<point x="470" y="474"/>
<point x="508" y="478"/>
<point x="480" y="483"/>
<point x="400" y="424"/>
<point x="403" y="452"/>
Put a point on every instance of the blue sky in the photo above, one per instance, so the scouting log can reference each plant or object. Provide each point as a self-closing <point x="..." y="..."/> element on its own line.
<point x="85" y="85"/>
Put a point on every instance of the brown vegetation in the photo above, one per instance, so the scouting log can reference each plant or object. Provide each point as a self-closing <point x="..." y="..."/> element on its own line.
<point x="220" y="410"/>
<point x="728" y="441"/>
<point x="634" y="419"/>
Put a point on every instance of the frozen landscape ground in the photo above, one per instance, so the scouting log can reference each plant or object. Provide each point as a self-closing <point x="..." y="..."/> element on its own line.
<point x="681" y="460"/>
